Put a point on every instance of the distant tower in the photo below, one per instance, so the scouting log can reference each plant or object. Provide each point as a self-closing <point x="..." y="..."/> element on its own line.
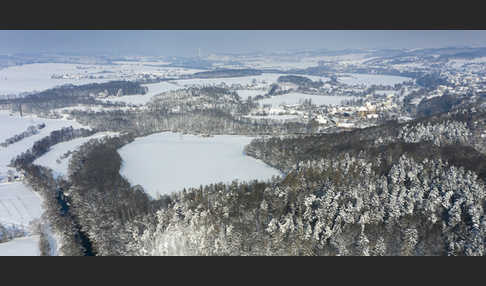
<point x="199" y="52"/>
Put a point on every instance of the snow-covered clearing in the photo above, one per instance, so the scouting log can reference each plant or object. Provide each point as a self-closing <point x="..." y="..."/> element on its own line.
<point x="370" y="79"/>
<point x="297" y="98"/>
<point x="316" y="78"/>
<point x="141" y="99"/>
<point x="50" y="159"/>
<point x="166" y="162"/>
<point x="385" y="92"/>
<point x="246" y="93"/>
<point x="460" y="63"/>
<point x="24" y="246"/>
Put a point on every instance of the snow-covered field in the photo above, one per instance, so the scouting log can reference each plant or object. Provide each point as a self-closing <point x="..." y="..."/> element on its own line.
<point x="409" y="65"/>
<point x="460" y="63"/>
<point x="370" y="79"/>
<point x="297" y="97"/>
<point x="385" y="92"/>
<point x="64" y="112"/>
<point x="262" y="80"/>
<point x="153" y="90"/>
<point x="149" y="67"/>
<point x="282" y="65"/>
<point x="257" y="81"/>
<point x="24" y="246"/>
<point x="11" y="125"/>
<point x="316" y="78"/>
<point x="37" y="77"/>
<point x="19" y="205"/>
<point x="245" y="93"/>
<point x="276" y="117"/>
<point x="167" y="162"/>
<point x="50" y="158"/>
<point x="286" y="62"/>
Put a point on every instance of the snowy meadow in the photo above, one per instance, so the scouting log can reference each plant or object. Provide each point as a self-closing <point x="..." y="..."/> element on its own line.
<point x="166" y="162"/>
<point x="297" y="97"/>
<point x="371" y="79"/>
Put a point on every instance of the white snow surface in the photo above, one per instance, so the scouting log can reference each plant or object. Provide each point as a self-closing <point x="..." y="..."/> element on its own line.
<point x="37" y="77"/>
<point x="370" y="79"/>
<point x="297" y="98"/>
<point x="142" y="99"/>
<point x="166" y="162"/>
<point x="50" y="158"/>
<point x="24" y="246"/>
<point x="285" y="117"/>
<point x="245" y="93"/>
<point x="11" y="125"/>
<point x="262" y="80"/>
<point x="19" y="205"/>
<point x="459" y="63"/>
<point x="385" y="92"/>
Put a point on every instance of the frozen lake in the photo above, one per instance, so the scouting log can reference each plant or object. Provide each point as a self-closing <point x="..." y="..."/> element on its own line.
<point x="297" y="97"/>
<point x="166" y="162"/>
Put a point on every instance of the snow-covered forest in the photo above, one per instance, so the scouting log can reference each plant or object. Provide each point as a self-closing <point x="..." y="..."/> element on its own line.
<point x="368" y="164"/>
<point x="340" y="195"/>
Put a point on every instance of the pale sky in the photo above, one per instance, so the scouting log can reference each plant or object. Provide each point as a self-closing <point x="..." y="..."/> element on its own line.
<point x="186" y="42"/>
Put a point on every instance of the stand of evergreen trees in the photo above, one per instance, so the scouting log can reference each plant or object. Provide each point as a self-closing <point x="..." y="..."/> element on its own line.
<point x="326" y="207"/>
